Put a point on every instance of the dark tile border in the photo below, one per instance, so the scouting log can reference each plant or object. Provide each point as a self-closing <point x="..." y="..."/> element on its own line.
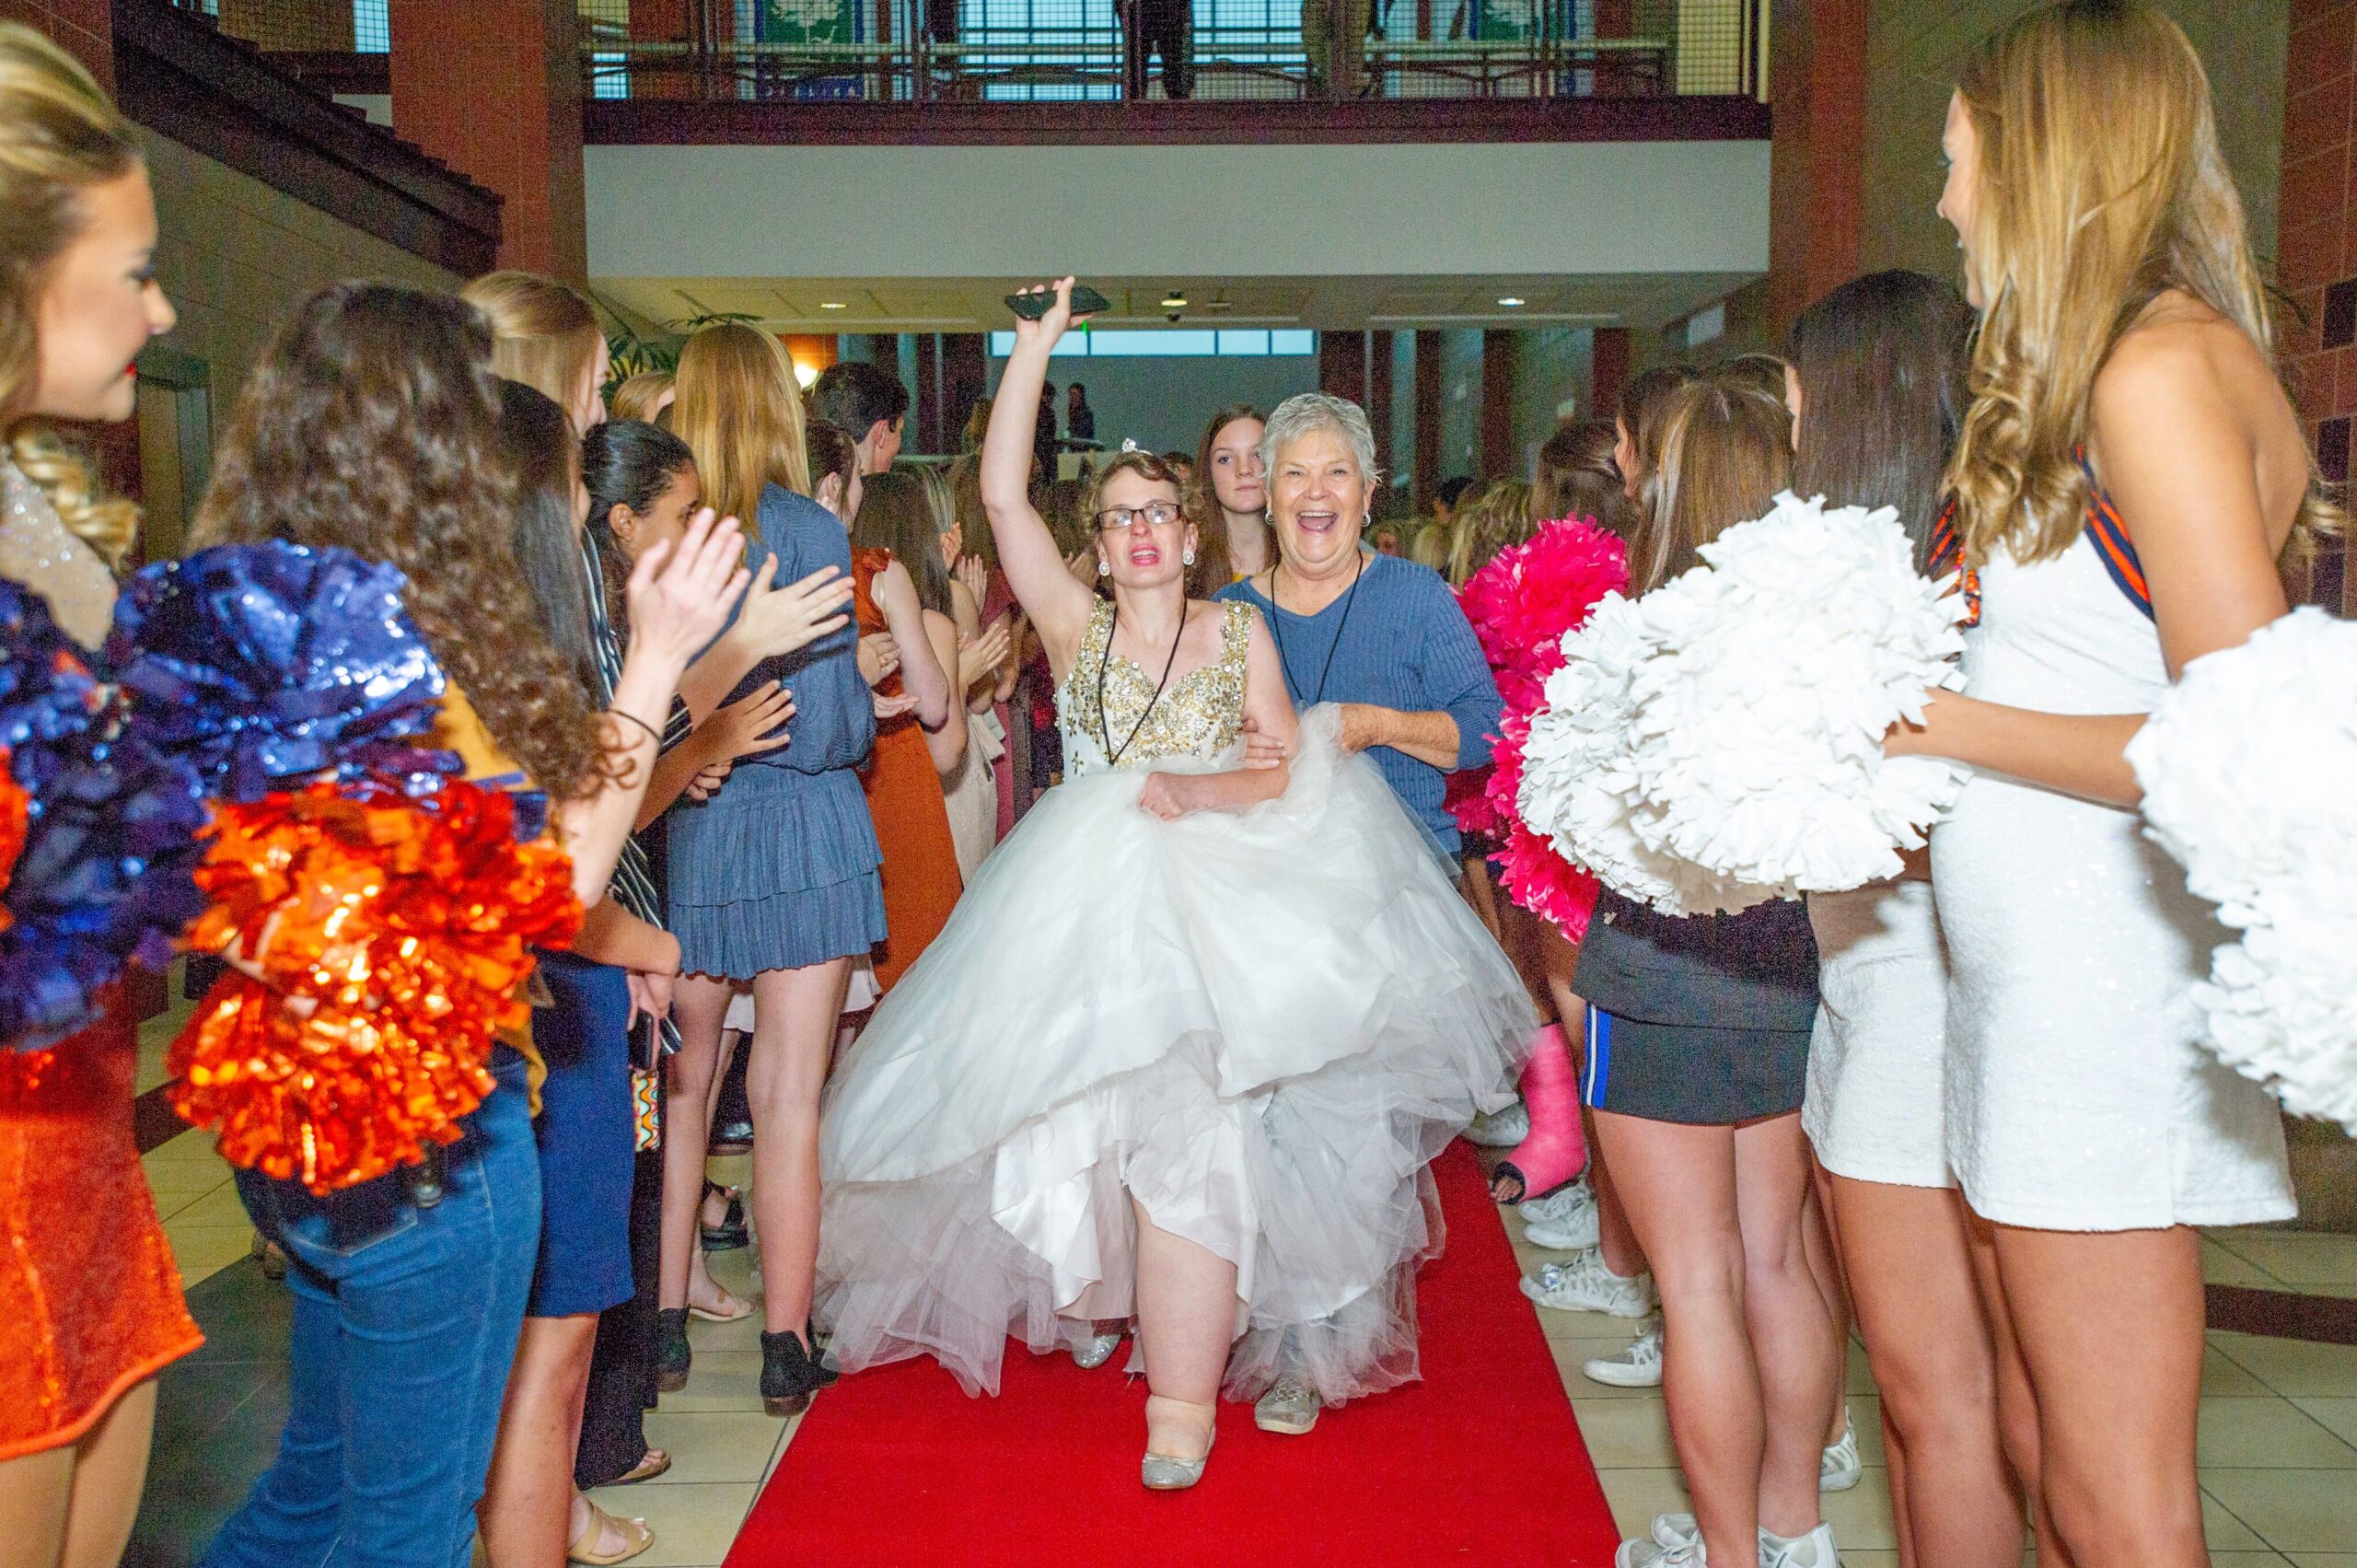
<point x="2283" y="1315"/>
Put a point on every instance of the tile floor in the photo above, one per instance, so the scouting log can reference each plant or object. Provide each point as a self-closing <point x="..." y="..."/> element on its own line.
<point x="2279" y="1417"/>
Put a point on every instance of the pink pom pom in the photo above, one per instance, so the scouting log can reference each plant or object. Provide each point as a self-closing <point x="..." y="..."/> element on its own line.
<point x="1469" y="801"/>
<point x="1530" y="595"/>
<point x="1530" y="870"/>
<point x="1522" y="604"/>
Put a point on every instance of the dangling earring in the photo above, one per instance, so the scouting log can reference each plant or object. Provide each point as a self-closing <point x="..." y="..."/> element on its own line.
<point x="1104" y="568"/>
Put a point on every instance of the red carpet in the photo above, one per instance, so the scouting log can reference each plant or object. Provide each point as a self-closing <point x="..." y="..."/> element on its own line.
<point x="1479" y="1462"/>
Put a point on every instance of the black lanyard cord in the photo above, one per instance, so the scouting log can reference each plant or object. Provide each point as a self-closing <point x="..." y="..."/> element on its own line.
<point x="1104" y="725"/>
<point x="1277" y="632"/>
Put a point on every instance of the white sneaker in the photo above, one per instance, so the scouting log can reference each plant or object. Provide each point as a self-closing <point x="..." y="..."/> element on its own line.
<point x="1557" y="1207"/>
<point x="1499" y="1129"/>
<point x="1573" y="1224"/>
<point x="1839" y="1469"/>
<point x="1585" y="1285"/>
<point x="1678" y="1532"/>
<point x="1642" y="1553"/>
<point x="1814" y="1550"/>
<point x="1639" y="1366"/>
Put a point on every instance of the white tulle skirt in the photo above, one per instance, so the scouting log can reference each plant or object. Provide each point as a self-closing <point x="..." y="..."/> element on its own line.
<point x="1261" y="1027"/>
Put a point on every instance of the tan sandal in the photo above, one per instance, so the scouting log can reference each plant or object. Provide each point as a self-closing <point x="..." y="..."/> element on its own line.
<point x="636" y="1538"/>
<point x="656" y="1461"/>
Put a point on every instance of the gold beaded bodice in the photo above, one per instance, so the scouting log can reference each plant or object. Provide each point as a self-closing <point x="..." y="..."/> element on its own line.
<point x="1197" y="717"/>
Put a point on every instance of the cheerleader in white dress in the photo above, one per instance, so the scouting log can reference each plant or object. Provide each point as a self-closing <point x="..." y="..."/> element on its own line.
<point x="1193" y="1033"/>
<point x="2126" y="480"/>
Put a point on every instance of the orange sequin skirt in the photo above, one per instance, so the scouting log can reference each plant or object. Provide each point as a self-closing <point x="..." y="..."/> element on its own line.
<point x="90" y="1300"/>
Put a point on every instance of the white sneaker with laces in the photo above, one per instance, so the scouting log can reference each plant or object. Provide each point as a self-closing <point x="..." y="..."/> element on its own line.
<point x="1557" y="1206"/>
<point x="1501" y="1129"/>
<point x="1585" y="1285"/>
<point x="1814" y="1550"/>
<point x="1642" y="1553"/>
<point x="1678" y="1532"/>
<point x="1575" y="1225"/>
<point x="1639" y="1366"/>
<point x="1839" y="1469"/>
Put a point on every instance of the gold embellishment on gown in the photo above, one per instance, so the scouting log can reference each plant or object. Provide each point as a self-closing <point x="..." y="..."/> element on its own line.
<point x="1198" y="716"/>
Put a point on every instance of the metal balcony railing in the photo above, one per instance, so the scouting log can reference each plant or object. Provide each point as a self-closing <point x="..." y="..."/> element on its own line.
<point x="1130" y="51"/>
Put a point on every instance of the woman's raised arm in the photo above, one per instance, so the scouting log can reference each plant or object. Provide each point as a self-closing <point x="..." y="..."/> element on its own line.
<point x="1058" y="603"/>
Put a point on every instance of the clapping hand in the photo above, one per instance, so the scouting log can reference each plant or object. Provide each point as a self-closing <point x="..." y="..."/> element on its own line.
<point x="679" y="596"/>
<point x="777" y="619"/>
<point x="880" y="656"/>
<point x="751" y="724"/>
<point x="983" y="658"/>
<point x="976" y="577"/>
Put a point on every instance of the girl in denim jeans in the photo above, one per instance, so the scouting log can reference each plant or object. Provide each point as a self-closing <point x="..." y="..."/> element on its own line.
<point x="369" y="425"/>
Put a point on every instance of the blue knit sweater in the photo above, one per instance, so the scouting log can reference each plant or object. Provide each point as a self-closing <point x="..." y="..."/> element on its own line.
<point x="1408" y="646"/>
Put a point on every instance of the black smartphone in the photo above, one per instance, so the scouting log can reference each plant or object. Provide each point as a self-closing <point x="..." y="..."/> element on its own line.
<point x="1086" y="301"/>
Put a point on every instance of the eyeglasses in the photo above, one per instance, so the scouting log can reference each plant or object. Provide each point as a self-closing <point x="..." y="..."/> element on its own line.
<point x="1119" y="520"/>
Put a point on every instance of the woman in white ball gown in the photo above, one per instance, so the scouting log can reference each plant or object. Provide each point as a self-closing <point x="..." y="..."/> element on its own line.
<point x="1194" y="1032"/>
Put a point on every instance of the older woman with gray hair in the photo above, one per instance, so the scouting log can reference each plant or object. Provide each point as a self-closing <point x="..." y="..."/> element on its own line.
<point x="1378" y="634"/>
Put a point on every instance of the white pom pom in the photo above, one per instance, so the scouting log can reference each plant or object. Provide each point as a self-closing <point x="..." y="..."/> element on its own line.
<point x="1578" y="784"/>
<point x="1779" y="668"/>
<point x="2249" y="771"/>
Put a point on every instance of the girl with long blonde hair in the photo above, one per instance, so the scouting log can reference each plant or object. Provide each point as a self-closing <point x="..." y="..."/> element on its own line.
<point x="774" y="879"/>
<point x="90" y="1304"/>
<point x="2128" y="479"/>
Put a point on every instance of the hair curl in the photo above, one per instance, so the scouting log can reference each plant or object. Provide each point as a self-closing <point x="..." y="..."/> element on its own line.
<point x="371" y="423"/>
<point x="2101" y="188"/>
<point x="62" y="135"/>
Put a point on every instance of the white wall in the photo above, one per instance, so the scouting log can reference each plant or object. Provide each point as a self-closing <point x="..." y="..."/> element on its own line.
<point x="1162" y="404"/>
<point x="1419" y="209"/>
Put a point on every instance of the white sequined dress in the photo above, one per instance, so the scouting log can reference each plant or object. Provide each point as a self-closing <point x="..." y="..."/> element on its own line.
<point x="1261" y="1026"/>
<point x="2079" y="1096"/>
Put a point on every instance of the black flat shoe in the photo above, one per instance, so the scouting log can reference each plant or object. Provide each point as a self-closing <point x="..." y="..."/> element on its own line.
<point x="791" y="1373"/>
<point x="673" y="1358"/>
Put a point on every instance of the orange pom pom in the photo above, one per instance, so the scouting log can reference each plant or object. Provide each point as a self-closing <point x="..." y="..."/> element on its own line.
<point x="392" y="939"/>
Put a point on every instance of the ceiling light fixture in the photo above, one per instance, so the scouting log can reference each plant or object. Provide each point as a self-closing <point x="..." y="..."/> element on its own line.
<point x="833" y="305"/>
<point x="1511" y="300"/>
<point x="1174" y="300"/>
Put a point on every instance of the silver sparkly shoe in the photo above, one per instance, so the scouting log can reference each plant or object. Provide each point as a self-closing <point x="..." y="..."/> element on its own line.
<point x="1091" y="1350"/>
<point x="1289" y="1409"/>
<point x="1162" y="1472"/>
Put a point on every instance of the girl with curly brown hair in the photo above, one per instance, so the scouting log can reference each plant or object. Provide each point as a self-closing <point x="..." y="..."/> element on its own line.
<point x="370" y="424"/>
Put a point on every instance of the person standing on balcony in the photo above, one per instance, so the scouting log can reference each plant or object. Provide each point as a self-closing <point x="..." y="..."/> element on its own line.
<point x="1158" y="27"/>
<point x="1334" y="36"/>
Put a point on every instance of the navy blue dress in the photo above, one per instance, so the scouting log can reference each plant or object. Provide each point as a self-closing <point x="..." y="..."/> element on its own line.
<point x="778" y="870"/>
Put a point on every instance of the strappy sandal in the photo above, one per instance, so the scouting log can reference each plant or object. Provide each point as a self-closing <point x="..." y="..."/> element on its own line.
<point x="636" y="1538"/>
<point x="731" y="1233"/>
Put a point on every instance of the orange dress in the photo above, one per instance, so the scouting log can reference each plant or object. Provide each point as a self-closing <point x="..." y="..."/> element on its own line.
<point x="90" y="1299"/>
<point x="921" y="880"/>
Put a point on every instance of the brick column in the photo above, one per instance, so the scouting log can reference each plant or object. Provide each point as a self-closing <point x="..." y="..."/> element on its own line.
<point x="1341" y="365"/>
<point x="1818" y="97"/>
<point x="493" y="89"/>
<point x="1498" y="354"/>
<point x="84" y="26"/>
<point x="2317" y="252"/>
<point x="1607" y="371"/>
<point x="1427" y="418"/>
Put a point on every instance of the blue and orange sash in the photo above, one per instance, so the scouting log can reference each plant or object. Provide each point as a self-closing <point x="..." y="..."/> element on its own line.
<point x="2105" y="532"/>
